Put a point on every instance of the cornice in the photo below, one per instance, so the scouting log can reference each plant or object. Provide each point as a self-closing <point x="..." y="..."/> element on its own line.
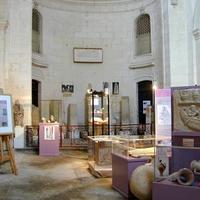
<point x="38" y="60"/>
<point x="143" y="61"/>
<point x="196" y="34"/>
<point x="100" y="6"/>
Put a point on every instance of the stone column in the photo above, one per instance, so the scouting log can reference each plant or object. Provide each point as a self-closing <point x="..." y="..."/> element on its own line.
<point x="196" y="34"/>
<point x="3" y="26"/>
<point x="125" y="110"/>
<point x="72" y="114"/>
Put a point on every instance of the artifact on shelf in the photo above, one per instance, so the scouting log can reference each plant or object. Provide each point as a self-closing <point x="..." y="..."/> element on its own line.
<point x="141" y="152"/>
<point x="195" y="167"/>
<point x="50" y="120"/>
<point x="18" y="113"/>
<point x="161" y="167"/>
<point x="44" y="120"/>
<point x="183" y="177"/>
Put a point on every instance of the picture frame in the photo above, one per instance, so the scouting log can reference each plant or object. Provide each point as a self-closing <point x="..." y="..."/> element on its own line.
<point x="6" y="115"/>
<point x="67" y="88"/>
<point x="115" y="88"/>
<point x="87" y="55"/>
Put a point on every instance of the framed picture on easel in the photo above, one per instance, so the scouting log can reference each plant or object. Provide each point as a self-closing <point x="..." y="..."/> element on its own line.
<point x="6" y="115"/>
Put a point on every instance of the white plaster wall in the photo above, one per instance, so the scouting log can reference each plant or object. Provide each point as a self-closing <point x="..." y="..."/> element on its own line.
<point x="17" y="70"/>
<point x="3" y="26"/>
<point x="114" y="33"/>
<point x="196" y="38"/>
<point x="179" y="49"/>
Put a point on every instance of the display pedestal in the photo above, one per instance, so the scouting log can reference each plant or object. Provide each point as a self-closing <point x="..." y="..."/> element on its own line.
<point x="49" y="139"/>
<point x="122" y="169"/>
<point x="166" y="190"/>
<point x="100" y="171"/>
<point x="19" y="137"/>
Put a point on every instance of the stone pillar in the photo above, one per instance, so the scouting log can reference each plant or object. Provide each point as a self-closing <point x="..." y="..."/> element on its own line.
<point x="72" y="114"/>
<point x="3" y="27"/>
<point x="115" y="110"/>
<point x="125" y="110"/>
<point x="196" y="34"/>
<point x="54" y="109"/>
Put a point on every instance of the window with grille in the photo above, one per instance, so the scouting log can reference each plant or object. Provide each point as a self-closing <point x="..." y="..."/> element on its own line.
<point x="143" y="35"/>
<point x="36" y="31"/>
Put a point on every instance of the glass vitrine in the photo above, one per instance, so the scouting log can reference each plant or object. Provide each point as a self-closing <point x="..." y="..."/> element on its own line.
<point x="97" y="113"/>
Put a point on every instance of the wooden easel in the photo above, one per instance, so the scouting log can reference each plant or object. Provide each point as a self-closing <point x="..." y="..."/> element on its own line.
<point x="7" y="140"/>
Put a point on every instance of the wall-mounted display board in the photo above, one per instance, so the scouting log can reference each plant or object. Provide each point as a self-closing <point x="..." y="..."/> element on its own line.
<point x="6" y="115"/>
<point x="88" y="55"/>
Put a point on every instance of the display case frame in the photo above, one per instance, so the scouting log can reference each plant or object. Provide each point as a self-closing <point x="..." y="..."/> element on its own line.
<point x="99" y="155"/>
<point x="98" y="113"/>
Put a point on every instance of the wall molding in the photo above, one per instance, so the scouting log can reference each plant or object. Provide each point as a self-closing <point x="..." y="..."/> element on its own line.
<point x="38" y="60"/>
<point x="196" y="34"/>
<point x="95" y="6"/>
<point x="142" y="62"/>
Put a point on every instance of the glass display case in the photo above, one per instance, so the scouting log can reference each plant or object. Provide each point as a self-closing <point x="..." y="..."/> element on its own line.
<point x="134" y="146"/>
<point x="97" y="113"/>
<point x="99" y="155"/>
<point x="128" y="153"/>
<point x="102" y="148"/>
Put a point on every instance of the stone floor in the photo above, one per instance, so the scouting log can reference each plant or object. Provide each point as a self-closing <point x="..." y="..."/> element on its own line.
<point x="65" y="177"/>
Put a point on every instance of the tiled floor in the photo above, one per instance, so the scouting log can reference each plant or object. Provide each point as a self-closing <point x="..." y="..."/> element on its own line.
<point x="63" y="177"/>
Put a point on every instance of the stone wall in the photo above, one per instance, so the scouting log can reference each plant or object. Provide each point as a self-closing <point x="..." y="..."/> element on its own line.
<point x="106" y="26"/>
<point x="17" y="66"/>
<point x="179" y="51"/>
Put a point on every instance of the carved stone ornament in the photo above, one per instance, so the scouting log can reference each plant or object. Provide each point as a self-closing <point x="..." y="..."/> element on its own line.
<point x="18" y="113"/>
<point x="186" y="105"/>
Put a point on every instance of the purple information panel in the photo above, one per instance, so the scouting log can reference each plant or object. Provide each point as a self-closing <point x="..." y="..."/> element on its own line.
<point x="49" y="137"/>
<point x="163" y="122"/>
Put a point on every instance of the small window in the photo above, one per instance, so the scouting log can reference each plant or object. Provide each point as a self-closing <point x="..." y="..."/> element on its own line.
<point x="143" y="35"/>
<point x="36" y="31"/>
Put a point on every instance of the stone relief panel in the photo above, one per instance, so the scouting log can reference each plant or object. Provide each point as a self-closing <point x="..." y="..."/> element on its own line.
<point x="186" y="109"/>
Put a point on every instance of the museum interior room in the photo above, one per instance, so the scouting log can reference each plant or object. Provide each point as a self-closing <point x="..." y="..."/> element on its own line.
<point x="99" y="99"/>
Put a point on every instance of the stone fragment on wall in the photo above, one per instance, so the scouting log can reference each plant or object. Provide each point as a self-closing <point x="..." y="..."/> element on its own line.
<point x="125" y="110"/>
